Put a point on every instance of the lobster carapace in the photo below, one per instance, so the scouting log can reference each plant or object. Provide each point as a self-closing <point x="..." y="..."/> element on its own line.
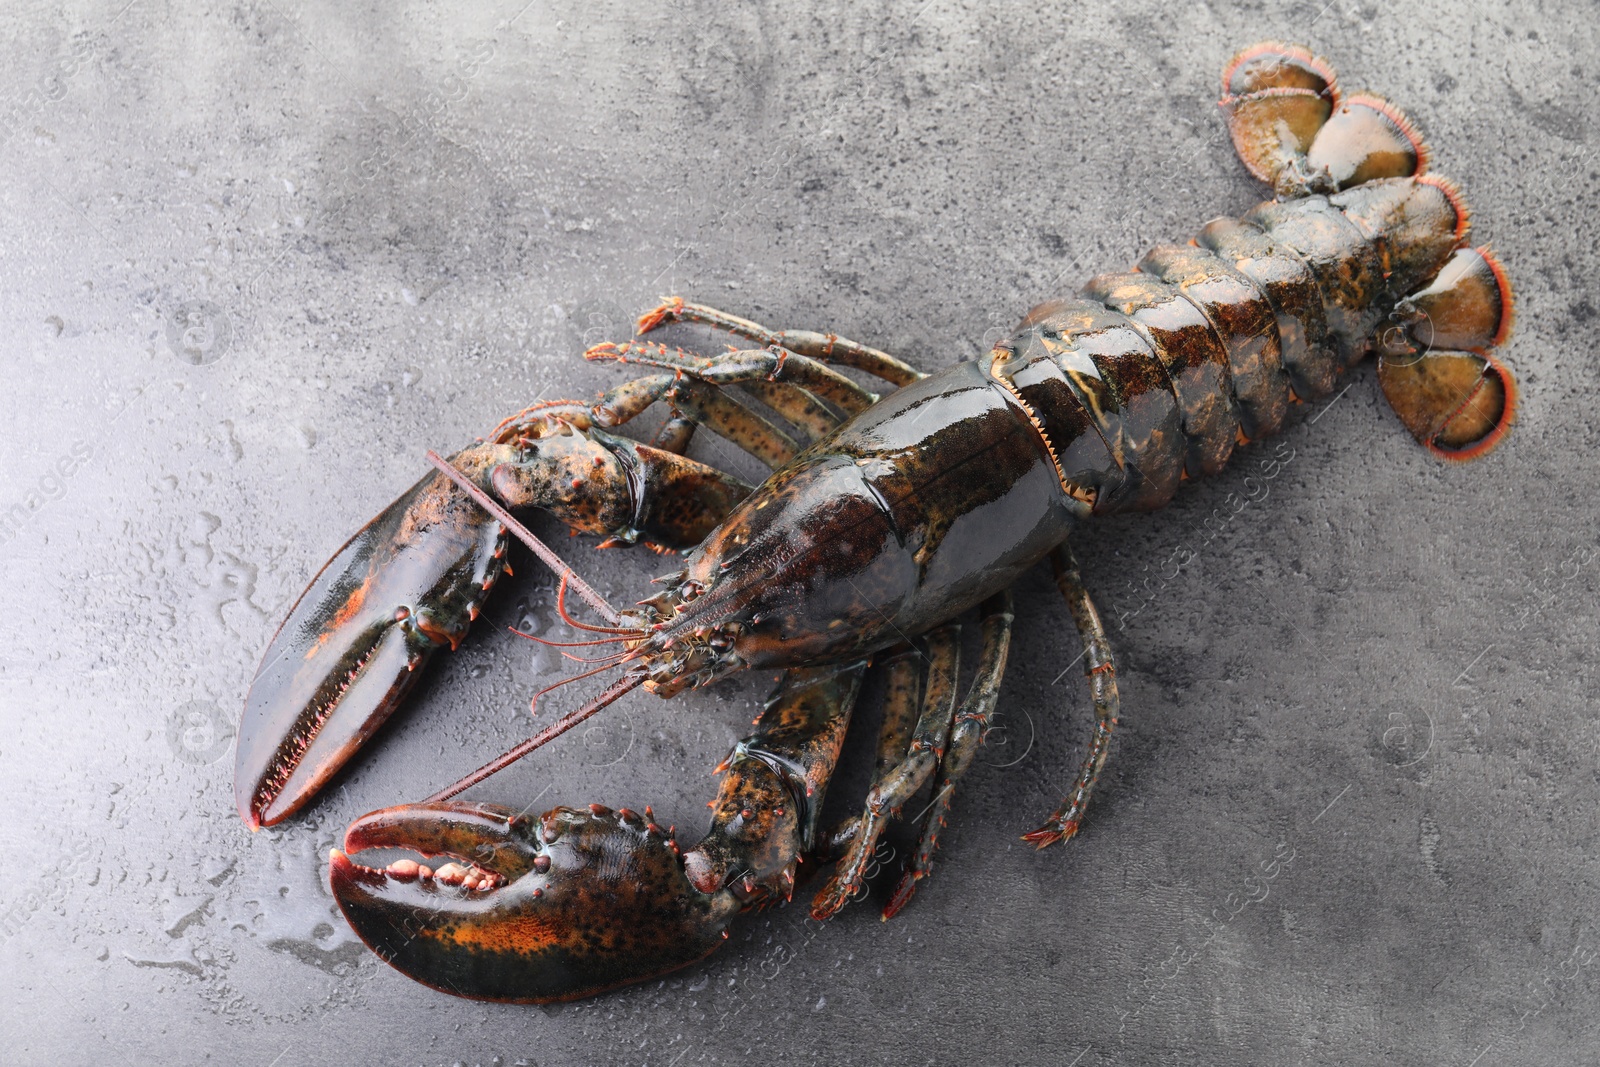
<point x="884" y="522"/>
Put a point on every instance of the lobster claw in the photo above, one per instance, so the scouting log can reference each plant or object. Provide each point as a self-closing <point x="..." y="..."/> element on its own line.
<point x="563" y="906"/>
<point x="410" y="581"/>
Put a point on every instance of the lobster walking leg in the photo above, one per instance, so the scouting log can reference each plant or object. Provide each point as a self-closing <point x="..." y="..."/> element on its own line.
<point x="741" y="366"/>
<point x="792" y="402"/>
<point x="903" y="671"/>
<point x="904" y="691"/>
<point x="695" y="400"/>
<point x="826" y="347"/>
<point x="675" y="434"/>
<point x="795" y="404"/>
<point x="1102" y="674"/>
<point x="893" y="787"/>
<point x="968" y="730"/>
<point x="706" y="405"/>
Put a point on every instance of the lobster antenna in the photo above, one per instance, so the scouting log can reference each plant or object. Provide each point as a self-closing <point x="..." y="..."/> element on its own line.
<point x="570" y="644"/>
<point x="561" y="609"/>
<point x="622" y="685"/>
<point x="540" y="549"/>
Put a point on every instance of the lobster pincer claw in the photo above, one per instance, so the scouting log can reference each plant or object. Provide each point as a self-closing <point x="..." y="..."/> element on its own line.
<point x="409" y="582"/>
<point x="417" y="575"/>
<point x="562" y="906"/>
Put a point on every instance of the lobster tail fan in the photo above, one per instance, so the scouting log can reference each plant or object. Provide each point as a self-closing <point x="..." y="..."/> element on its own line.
<point x="1458" y="405"/>
<point x="1294" y="130"/>
<point x="1442" y="381"/>
<point x="1276" y="97"/>
<point x="1467" y="305"/>
<point x="1366" y="138"/>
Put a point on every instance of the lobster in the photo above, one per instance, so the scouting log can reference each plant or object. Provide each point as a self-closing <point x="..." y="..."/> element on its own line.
<point x="885" y="521"/>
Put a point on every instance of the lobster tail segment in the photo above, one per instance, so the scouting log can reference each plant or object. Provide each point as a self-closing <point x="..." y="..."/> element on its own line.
<point x="1294" y="131"/>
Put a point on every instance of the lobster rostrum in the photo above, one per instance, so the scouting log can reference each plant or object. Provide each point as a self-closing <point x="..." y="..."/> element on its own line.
<point x="885" y="521"/>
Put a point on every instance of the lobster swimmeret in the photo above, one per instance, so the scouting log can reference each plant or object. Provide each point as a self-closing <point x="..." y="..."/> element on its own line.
<point x="884" y="520"/>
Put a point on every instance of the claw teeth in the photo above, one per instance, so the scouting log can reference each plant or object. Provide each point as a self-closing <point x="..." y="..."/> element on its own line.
<point x="470" y="878"/>
<point x="480" y="880"/>
<point x="299" y="740"/>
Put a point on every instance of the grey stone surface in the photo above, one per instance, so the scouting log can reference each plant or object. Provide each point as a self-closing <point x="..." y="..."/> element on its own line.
<point x="258" y="256"/>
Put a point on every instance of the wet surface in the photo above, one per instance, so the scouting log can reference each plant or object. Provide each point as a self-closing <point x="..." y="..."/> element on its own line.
<point x="260" y="257"/>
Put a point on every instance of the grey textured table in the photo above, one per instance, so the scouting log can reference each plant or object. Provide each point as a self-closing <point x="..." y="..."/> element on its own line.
<point x="259" y="256"/>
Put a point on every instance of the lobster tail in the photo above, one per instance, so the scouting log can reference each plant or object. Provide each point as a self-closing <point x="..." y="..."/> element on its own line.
<point x="1382" y="238"/>
<point x="1366" y="138"/>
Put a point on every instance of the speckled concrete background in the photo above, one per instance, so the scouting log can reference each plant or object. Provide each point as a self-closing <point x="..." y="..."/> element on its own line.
<point x="258" y="256"/>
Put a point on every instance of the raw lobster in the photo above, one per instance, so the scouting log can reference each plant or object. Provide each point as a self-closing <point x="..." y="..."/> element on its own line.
<point x="883" y="523"/>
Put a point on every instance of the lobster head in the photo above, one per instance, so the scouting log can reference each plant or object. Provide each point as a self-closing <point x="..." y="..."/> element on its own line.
<point x="552" y="908"/>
